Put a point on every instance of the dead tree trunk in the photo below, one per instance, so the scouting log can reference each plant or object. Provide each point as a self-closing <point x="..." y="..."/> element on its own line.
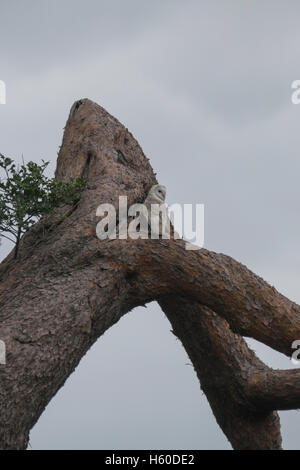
<point x="68" y="287"/>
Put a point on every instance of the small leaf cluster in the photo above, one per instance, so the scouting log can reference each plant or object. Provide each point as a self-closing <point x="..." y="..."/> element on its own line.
<point x="26" y="194"/>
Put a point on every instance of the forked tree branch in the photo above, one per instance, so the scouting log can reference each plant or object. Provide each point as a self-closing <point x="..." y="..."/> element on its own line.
<point x="67" y="288"/>
<point x="223" y="363"/>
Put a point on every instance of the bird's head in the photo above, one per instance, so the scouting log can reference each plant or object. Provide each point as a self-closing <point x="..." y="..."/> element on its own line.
<point x="158" y="191"/>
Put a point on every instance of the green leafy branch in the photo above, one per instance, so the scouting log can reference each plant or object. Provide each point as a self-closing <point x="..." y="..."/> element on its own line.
<point x="26" y="194"/>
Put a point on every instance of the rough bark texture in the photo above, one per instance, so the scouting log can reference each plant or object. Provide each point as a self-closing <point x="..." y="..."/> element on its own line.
<point x="224" y="365"/>
<point x="67" y="287"/>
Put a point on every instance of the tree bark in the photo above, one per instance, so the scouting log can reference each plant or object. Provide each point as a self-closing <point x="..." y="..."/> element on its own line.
<point x="224" y="365"/>
<point x="67" y="288"/>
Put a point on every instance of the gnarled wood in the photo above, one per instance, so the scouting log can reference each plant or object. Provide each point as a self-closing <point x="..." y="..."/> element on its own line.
<point x="224" y="363"/>
<point x="68" y="287"/>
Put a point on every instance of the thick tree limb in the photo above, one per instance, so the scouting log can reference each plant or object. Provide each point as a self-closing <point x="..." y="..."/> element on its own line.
<point x="275" y="389"/>
<point x="223" y="363"/>
<point x="250" y="305"/>
<point x="67" y="288"/>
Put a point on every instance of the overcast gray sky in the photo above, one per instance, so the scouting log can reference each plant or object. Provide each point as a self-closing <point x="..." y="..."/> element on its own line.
<point x="205" y="87"/>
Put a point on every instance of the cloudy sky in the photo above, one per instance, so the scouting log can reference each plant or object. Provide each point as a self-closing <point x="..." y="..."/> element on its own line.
<point x="205" y="87"/>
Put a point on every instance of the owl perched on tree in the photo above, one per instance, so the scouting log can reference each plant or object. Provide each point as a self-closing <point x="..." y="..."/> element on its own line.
<point x="158" y="219"/>
<point x="157" y="195"/>
<point x="148" y="220"/>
